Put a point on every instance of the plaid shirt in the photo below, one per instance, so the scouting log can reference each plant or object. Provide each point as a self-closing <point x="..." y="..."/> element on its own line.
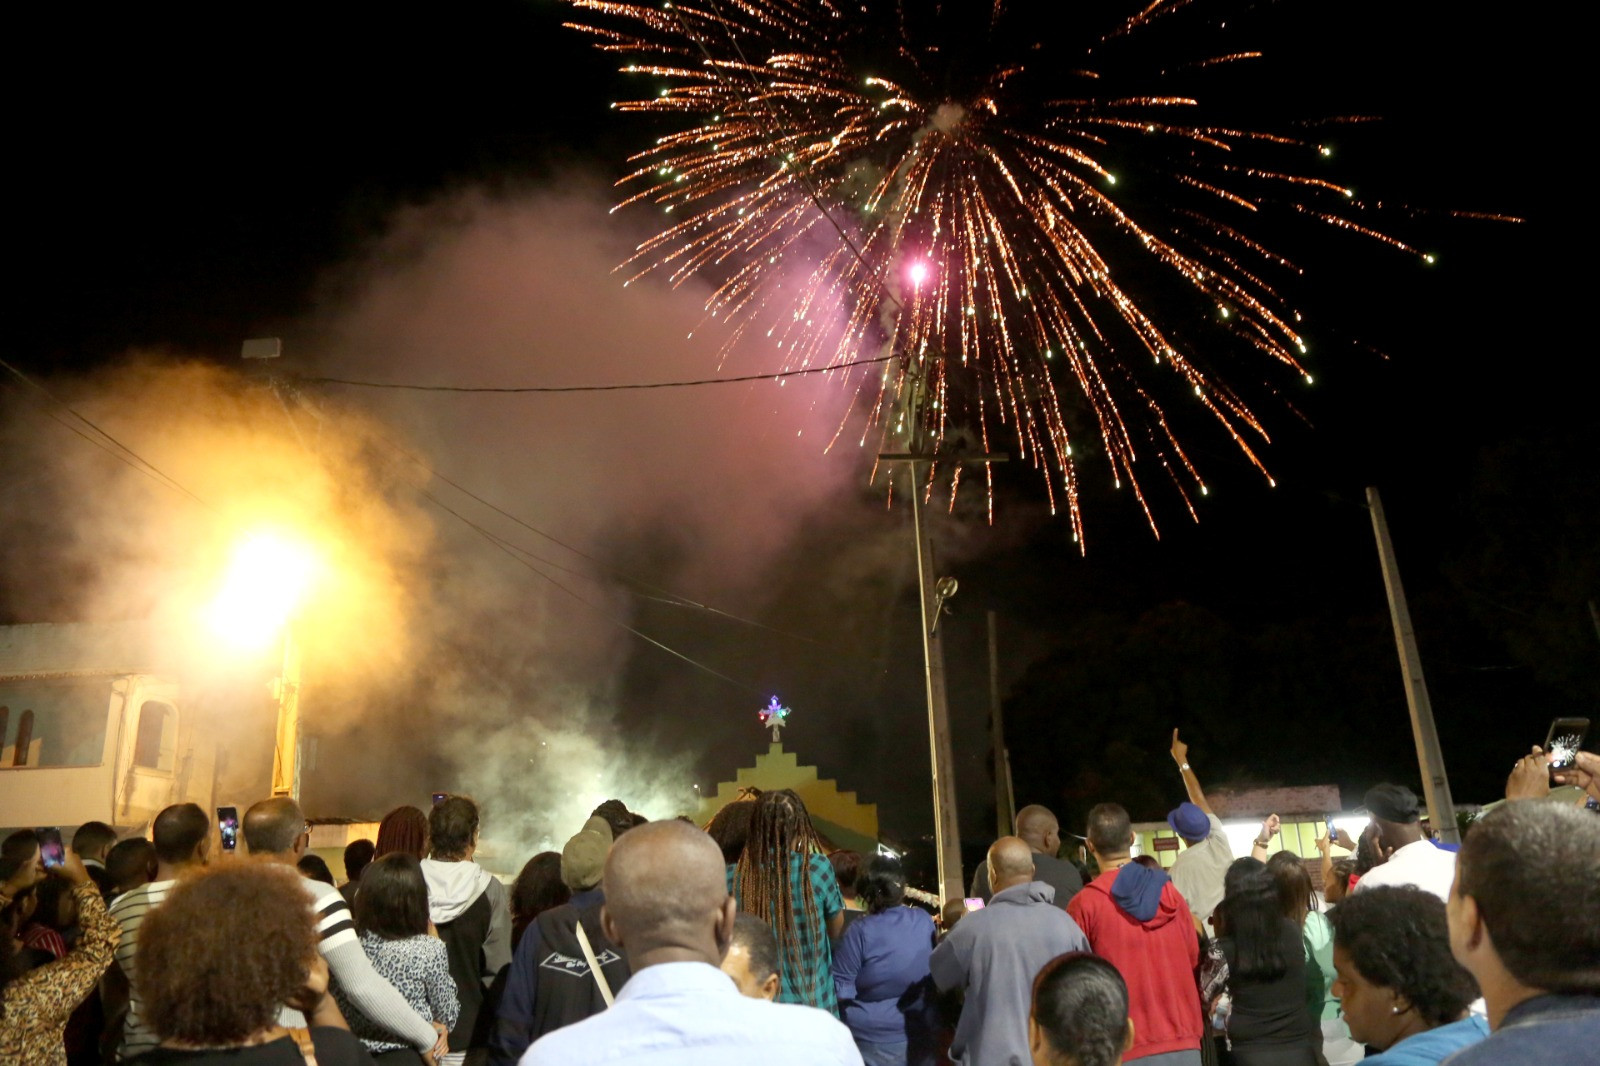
<point x="811" y="982"/>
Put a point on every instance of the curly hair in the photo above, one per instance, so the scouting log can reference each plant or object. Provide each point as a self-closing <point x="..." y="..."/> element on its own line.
<point x="1396" y="937"/>
<point x="403" y="829"/>
<point x="224" y="952"/>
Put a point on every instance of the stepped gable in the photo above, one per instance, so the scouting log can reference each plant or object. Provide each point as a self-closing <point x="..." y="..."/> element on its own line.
<point x="839" y="817"/>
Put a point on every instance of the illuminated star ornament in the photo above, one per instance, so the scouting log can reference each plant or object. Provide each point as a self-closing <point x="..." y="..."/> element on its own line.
<point x="1059" y="236"/>
<point x="775" y="716"/>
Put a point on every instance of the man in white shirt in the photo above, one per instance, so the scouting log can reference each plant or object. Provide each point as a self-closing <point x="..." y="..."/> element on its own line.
<point x="1410" y="858"/>
<point x="667" y="906"/>
<point x="1197" y="873"/>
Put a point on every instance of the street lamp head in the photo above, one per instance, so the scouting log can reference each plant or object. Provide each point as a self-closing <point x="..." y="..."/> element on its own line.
<point x="267" y="577"/>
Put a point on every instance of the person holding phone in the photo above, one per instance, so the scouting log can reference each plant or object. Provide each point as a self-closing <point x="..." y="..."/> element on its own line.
<point x="35" y="1004"/>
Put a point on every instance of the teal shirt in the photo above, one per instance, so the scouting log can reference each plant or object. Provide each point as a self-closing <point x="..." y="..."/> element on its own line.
<point x="808" y="979"/>
<point x="1434" y="1046"/>
<point x="1317" y="937"/>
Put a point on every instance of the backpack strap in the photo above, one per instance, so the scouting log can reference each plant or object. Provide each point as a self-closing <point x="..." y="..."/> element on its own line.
<point x="302" y="1040"/>
<point x="594" y="967"/>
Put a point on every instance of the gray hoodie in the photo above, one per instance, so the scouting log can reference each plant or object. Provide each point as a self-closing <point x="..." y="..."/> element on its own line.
<point x="994" y="953"/>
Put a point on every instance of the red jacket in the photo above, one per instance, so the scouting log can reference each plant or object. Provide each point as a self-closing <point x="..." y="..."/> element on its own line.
<point x="1157" y="957"/>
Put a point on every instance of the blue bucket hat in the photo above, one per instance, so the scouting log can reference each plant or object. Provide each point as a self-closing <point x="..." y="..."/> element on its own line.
<point x="1189" y="821"/>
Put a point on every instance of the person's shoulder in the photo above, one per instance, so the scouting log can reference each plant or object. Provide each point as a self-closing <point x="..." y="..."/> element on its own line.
<point x="336" y="1047"/>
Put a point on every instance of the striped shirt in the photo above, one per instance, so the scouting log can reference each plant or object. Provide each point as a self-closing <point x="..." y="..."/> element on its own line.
<point x="129" y="911"/>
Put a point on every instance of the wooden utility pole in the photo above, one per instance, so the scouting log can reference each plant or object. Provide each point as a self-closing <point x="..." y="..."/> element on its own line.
<point x="286" y="748"/>
<point x="934" y="591"/>
<point x="1005" y="814"/>
<point x="1430" y="758"/>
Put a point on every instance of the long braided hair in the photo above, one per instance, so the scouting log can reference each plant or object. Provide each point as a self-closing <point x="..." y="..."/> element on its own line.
<point x="780" y="827"/>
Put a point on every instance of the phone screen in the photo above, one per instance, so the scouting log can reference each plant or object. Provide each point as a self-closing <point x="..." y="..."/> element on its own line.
<point x="228" y="826"/>
<point x="974" y="903"/>
<point x="1333" y="834"/>
<point x="1564" y="741"/>
<point x="439" y="797"/>
<point x="51" y="850"/>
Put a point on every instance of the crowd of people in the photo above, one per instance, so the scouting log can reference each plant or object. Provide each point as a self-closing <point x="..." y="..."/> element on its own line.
<point x="747" y="941"/>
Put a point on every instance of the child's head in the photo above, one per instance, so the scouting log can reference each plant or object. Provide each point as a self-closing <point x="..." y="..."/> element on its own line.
<point x="393" y="898"/>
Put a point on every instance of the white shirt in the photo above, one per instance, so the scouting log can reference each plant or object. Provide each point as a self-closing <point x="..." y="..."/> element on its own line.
<point x="1429" y="868"/>
<point x="1198" y="872"/>
<point x="690" y="1014"/>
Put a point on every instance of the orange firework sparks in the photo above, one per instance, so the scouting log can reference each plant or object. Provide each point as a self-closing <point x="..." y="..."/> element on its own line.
<point x="974" y="227"/>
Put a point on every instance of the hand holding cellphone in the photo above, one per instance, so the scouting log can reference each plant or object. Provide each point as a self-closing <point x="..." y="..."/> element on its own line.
<point x="1563" y="742"/>
<point x="228" y="827"/>
<point x="973" y="903"/>
<point x="51" y="851"/>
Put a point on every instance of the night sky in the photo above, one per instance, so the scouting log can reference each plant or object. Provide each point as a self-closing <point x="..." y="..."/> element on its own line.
<point x="180" y="181"/>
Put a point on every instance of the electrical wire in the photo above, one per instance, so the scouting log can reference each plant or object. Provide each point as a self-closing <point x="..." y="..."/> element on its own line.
<point x="625" y="387"/>
<point x="103" y="440"/>
<point x="661" y="595"/>
<point x="513" y="553"/>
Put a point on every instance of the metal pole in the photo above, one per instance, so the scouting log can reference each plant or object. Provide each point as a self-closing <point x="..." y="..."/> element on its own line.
<point x="1004" y="816"/>
<point x="946" y="828"/>
<point x="1430" y="758"/>
<point x="286" y="748"/>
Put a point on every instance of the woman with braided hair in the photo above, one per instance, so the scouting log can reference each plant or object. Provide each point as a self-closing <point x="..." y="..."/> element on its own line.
<point x="784" y="879"/>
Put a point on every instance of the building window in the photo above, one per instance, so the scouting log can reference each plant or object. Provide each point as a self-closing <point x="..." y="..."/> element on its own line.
<point x="154" y="744"/>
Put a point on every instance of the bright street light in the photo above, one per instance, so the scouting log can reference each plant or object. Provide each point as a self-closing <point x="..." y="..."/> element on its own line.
<point x="266" y="580"/>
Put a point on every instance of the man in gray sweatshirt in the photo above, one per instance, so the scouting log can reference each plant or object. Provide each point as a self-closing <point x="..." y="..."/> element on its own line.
<point x="994" y="954"/>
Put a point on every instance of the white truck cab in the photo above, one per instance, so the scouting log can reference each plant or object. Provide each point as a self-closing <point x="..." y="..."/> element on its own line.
<point x="92" y="730"/>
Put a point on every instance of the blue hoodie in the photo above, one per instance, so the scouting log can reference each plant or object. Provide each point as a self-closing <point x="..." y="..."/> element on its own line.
<point x="1137" y="890"/>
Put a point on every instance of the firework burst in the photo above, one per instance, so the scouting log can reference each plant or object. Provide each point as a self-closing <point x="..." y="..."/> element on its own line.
<point x="1041" y="244"/>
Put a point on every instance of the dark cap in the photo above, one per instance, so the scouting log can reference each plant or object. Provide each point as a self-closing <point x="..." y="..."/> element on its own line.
<point x="1392" y="803"/>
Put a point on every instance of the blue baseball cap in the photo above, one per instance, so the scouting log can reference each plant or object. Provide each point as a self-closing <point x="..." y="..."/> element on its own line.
<point x="1189" y="821"/>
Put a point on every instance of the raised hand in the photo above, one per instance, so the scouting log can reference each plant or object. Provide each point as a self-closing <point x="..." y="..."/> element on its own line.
<point x="1180" y="750"/>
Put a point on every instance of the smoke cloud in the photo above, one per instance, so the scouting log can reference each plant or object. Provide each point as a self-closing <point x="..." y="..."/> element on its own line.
<point x="437" y="661"/>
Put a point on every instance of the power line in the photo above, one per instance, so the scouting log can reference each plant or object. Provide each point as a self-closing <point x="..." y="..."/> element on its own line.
<point x="514" y="554"/>
<point x="103" y="440"/>
<point x="662" y="595"/>
<point x="625" y="387"/>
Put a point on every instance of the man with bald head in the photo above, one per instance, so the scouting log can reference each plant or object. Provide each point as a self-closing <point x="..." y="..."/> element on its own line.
<point x="1037" y="826"/>
<point x="994" y="954"/>
<point x="275" y="830"/>
<point x="668" y="908"/>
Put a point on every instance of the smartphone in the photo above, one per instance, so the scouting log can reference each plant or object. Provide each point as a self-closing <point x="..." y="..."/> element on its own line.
<point x="1564" y="741"/>
<point x="974" y="903"/>
<point x="439" y="797"/>
<point x="1333" y="834"/>
<point x="228" y="826"/>
<point x="51" y="850"/>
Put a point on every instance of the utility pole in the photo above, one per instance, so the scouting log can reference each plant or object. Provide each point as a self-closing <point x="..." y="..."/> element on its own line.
<point x="933" y="593"/>
<point x="1430" y="758"/>
<point x="1004" y="805"/>
<point x="286" y="752"/>
<point x="286" y="747"/>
